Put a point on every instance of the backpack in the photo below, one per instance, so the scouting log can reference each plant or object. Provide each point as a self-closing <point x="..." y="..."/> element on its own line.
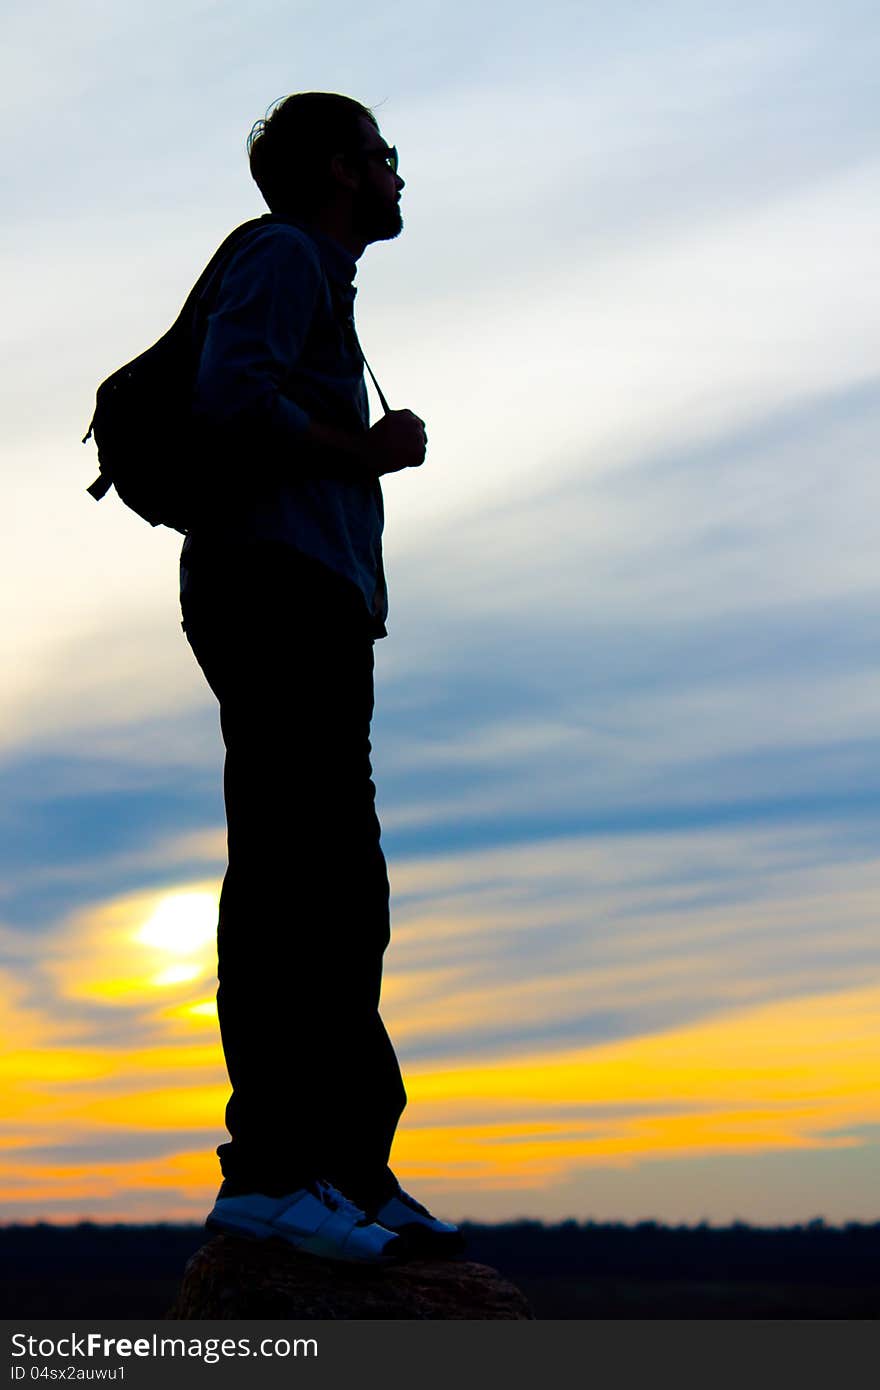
<point x="142" y="423"/>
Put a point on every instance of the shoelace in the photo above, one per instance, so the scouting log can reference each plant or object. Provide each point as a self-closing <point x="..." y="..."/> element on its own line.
<point x="331" y="1197"/>
<point x="411" y="1202"/>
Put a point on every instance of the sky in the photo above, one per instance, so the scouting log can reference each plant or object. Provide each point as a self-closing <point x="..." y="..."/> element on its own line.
<point x="626" y="736"/>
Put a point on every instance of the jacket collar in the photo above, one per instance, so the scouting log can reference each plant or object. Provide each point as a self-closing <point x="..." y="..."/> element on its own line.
<point x="339" y="263"/>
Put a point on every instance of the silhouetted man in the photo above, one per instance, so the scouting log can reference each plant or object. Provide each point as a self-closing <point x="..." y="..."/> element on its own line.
<point x="283" y="595"/>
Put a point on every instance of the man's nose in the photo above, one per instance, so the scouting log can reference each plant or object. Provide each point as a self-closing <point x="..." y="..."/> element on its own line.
<point x="400" y="182"/>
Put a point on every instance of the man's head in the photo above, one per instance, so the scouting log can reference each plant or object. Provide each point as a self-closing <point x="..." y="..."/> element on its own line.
<point x="320" y="151"/>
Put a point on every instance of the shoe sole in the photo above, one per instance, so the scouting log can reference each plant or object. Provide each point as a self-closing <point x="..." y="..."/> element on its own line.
<point x="258" y="1230"/>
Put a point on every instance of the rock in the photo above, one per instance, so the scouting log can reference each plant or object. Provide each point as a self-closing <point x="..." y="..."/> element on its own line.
<point x="232" y="1277"/>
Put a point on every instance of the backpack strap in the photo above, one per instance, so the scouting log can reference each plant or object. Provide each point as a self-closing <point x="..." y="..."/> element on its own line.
<point x="345" y="315"/>
<point x="385" y="406"/>
<point x="102" y="484"/>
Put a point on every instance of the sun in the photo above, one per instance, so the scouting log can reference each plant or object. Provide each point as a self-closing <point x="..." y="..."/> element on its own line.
<point x="129" y="949"/>
<point x="182" y="924"/>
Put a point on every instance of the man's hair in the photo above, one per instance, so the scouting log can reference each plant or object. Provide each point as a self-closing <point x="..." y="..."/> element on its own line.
<point x="291" y="148"/>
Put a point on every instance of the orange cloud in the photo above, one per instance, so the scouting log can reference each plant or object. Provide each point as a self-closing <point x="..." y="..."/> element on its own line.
<point x="789" y="1076"/>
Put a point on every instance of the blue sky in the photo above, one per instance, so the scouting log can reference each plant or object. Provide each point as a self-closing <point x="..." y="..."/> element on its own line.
<point x="626" y="731"/>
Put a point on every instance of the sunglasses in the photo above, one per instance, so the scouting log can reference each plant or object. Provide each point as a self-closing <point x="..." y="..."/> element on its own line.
<point x="388" y="156"/>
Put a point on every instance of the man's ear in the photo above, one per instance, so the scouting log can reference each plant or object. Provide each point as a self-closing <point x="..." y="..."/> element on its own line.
<point x="343" y="172"/>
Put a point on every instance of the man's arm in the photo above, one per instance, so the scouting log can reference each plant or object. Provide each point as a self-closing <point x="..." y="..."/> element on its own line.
<point x="396" y="441"/>
<point x="255" y="335"/>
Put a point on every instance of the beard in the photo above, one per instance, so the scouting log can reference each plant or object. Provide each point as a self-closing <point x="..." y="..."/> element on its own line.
<point x="374" y="218"/>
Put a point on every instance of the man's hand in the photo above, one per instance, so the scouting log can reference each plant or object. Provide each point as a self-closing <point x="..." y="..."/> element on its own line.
<point x="397" y="441"/>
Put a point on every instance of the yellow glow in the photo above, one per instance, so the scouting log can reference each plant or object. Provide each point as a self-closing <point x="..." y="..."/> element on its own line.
<point x="200" y="1013"/>
<point x="190" y="1174"/>
<point x="177" y="974"/>
<point x="206" y="1008"/>
<point x="119" y="953"/>
<point x="187" y="1106"/>
<point x="182" y="924"/>
<point x="788" y="1076"/>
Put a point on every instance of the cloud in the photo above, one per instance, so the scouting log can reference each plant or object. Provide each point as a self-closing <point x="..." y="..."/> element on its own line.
<point x="716" y="1088"/>
<point x="606" y="936"/>
<point x="591" y="1002"/>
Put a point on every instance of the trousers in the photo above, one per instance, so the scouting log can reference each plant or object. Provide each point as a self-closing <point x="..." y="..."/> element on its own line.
<point x="304" y="920"/>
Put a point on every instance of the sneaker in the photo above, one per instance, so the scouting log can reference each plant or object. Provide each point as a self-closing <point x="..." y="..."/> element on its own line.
<point x="315" y="1220"/>
<point x="423" y="1233"/>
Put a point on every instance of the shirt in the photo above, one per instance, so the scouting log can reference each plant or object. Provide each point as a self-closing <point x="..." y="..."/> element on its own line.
<point x="280" y="349"/>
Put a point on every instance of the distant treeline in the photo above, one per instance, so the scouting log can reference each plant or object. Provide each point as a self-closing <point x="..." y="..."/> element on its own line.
<point x="812" y="1253"/>
<point x="815" y="1252"/>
